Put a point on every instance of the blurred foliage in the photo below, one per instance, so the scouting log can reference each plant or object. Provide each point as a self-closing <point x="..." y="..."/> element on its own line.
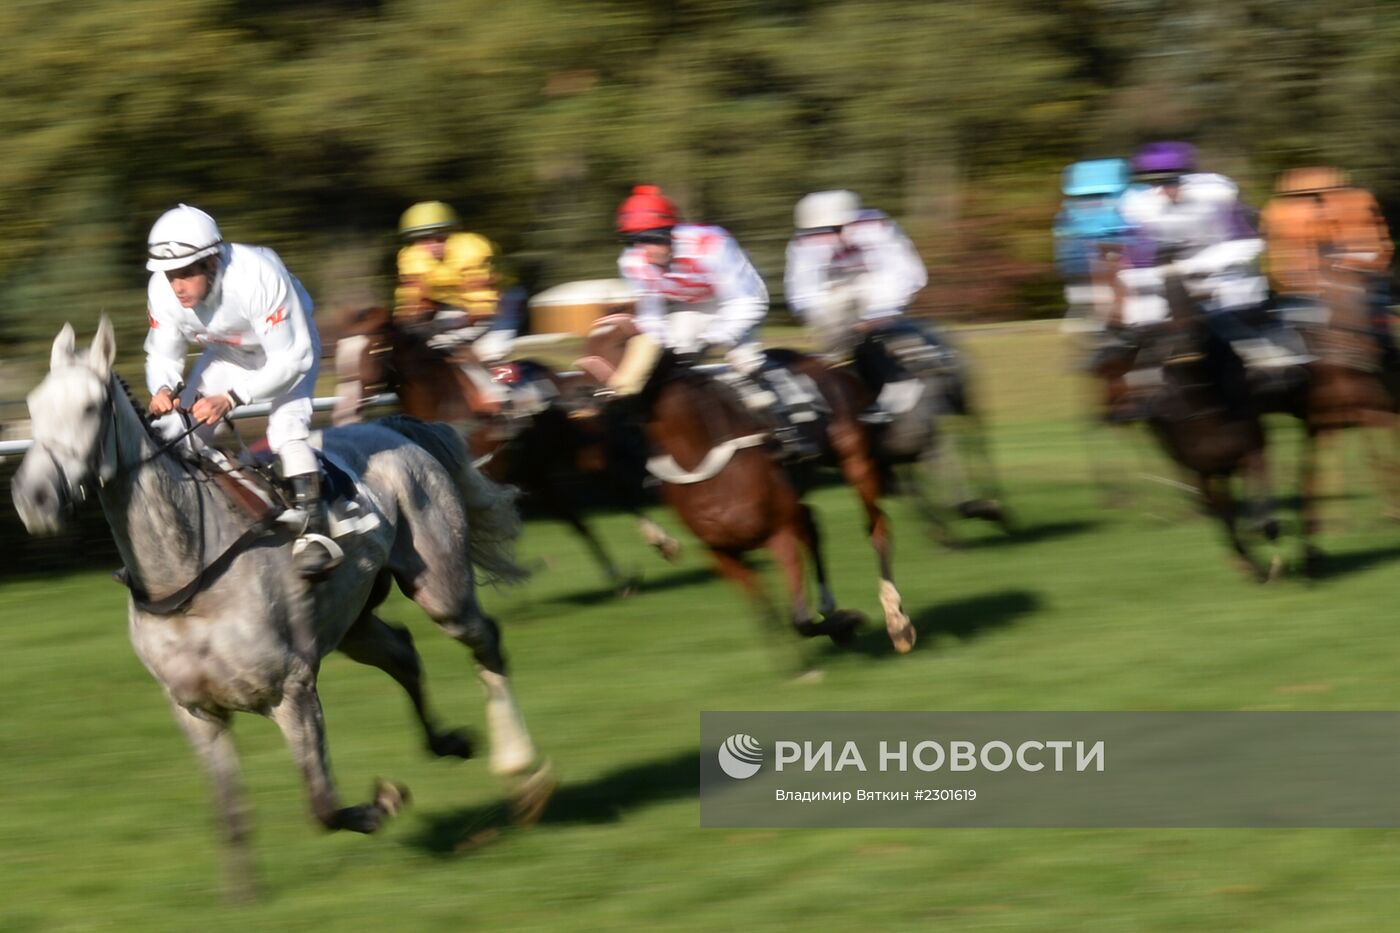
<point x="310" y="126"/>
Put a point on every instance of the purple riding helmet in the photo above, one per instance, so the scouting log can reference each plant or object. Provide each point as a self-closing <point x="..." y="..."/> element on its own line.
<point x="1162" y="160"/>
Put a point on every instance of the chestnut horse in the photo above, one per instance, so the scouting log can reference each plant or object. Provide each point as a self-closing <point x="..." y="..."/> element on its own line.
<point x="720" y="472"/>
<point x="565" y="441"/>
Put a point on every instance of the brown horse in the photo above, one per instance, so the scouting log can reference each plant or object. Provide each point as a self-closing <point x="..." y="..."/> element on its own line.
<point x="562" y="442"/>
<point x="1347" y="387"/>
<point x="720" y="473"/>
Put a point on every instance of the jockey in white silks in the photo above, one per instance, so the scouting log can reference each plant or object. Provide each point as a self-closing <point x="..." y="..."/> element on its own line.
<point x="695" y="288"/>
<point x="1192" y="224"/>
<point x="851" y="272"/>
<point x="253" y="319"/>
<point x="848" y="269"/>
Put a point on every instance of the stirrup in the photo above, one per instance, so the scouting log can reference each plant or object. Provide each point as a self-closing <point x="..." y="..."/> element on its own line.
<point x="333" y="551"/>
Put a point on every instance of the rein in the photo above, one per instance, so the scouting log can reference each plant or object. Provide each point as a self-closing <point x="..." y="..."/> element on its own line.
<point x="181" y="597"/>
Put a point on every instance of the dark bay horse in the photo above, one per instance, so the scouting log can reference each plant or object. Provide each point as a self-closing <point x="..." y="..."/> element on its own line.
<point x="564" y="440"/>
<point x="1208" y="432"/>
<point x="720" y="473"/>
<point x="930" y="428"/>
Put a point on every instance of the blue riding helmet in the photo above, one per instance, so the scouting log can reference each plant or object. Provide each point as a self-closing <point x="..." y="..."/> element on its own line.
<point x="1096" y="177"/>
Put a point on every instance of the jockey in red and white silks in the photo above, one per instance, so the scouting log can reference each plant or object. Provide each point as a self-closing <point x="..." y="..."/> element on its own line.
<point x="695" y="288"/>
<point x="710" y="293"/>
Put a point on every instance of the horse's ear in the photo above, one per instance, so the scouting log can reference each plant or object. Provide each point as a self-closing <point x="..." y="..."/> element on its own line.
<point x="104" y="347"/>
<point x="63" y="348"/>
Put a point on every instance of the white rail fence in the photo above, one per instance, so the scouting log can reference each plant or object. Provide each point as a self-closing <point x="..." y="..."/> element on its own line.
<point x="18" y="447"/>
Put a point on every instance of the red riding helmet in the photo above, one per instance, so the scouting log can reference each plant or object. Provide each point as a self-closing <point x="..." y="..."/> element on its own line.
<point x="646" y="209"/>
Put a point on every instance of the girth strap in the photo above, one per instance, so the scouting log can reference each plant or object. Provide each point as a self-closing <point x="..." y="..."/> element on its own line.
<point x="179" y="599"/>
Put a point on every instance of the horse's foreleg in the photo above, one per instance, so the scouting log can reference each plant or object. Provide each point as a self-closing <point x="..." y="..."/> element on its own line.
<point x="213" y="742"/>
<point x="863" y="474"/>
<point x="558" y="503"/>
<point x="299" y="716"/>
<point x="349" y="392"/>
<point x="811" y="537"/>
<point x="913" y="477"/>
<point x="839" y="625"/>
<point x="1217" y="492"/>
<point x="656" y="537"/>
<point x="1309" y="500"/>
<point x="373" y="641"/>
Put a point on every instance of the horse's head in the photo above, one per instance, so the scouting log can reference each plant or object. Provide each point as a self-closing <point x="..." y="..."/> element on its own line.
<point x="605" y="344"/>
<point x="72" y="412"/>
<point x="362" y="352"/>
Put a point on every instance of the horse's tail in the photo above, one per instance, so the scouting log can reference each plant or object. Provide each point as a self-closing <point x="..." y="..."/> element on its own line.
<point x="492" y="520"/>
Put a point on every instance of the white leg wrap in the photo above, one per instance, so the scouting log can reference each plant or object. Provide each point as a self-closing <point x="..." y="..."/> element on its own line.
<point x="512" y="752"/>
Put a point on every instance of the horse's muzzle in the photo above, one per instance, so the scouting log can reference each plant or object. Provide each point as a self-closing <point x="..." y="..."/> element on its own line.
<point x="40" y="493"/>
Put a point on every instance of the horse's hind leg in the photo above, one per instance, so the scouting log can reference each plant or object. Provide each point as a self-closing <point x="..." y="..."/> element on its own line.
<point x="375" y="642"/>
<point x="299" y="716"/>
<point x="450" y="602"/>
<point x="213" y="742"/>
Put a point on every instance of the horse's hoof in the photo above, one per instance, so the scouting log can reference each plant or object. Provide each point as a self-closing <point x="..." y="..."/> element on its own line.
<point x="390" y="797"/>
<point x="806" y="678"/>
<point x="455" y="743"/>
<point x="842" y="624"/>
<point x="903" y="636"/>
<point x="670" y="550"/>
<point x="1314" y="562"/>
<point x="1278" y="568"/>
<point x="628" y="586"/>
<point x="532" y="796"/>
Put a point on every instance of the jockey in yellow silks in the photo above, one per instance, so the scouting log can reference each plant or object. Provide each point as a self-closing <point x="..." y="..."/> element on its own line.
<point x="449" y="277"/>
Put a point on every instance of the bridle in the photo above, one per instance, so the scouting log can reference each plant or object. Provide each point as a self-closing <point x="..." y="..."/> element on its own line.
<point x="98" y="464"/>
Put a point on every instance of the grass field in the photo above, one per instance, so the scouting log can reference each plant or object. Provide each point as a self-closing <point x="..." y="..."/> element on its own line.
<point x="107" y="823"/>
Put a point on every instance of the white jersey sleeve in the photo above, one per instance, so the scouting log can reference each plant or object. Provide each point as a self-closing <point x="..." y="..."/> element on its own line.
<point x="165" y="344"/>
<point x="645" y="281"/>
<point x="739" y="290"/>
<point x="805" y="276"/>
<point x="279" y="311"/>
<point x="895" y="273"/>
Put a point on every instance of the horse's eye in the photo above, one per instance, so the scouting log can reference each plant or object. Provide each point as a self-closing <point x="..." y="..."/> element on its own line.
<point x="90" y="408"/>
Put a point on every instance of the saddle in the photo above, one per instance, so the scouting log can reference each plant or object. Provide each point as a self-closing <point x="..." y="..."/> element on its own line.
<point x="788" y="400"/>
<point x="900" y="365"/>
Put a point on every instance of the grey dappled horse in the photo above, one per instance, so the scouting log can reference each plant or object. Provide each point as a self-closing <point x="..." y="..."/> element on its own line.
<point x="252" y="637"/>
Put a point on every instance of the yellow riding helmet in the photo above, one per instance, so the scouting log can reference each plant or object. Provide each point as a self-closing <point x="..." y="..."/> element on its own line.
<point x="427" y="218"/>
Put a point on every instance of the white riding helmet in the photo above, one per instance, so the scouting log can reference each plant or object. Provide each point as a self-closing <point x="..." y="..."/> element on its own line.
<point x="826" y="209"/>
<point x="181" y="236"/>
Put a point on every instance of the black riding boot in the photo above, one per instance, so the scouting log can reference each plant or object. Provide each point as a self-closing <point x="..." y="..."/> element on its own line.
<point x="779" y="415"/>
<point x="313" y="558"/>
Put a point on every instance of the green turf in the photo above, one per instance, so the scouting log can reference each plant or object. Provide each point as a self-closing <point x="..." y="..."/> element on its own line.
<point x="106" y="823"/>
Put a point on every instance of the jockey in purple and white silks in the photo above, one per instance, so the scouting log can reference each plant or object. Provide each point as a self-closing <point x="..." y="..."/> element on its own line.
<point x="1192" y="224"/>
<point x="848" y="268"/>
<point x="253" y="319"/>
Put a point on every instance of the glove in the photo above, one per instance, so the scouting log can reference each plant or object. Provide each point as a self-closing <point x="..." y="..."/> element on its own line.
<point x="493" y="345"/>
